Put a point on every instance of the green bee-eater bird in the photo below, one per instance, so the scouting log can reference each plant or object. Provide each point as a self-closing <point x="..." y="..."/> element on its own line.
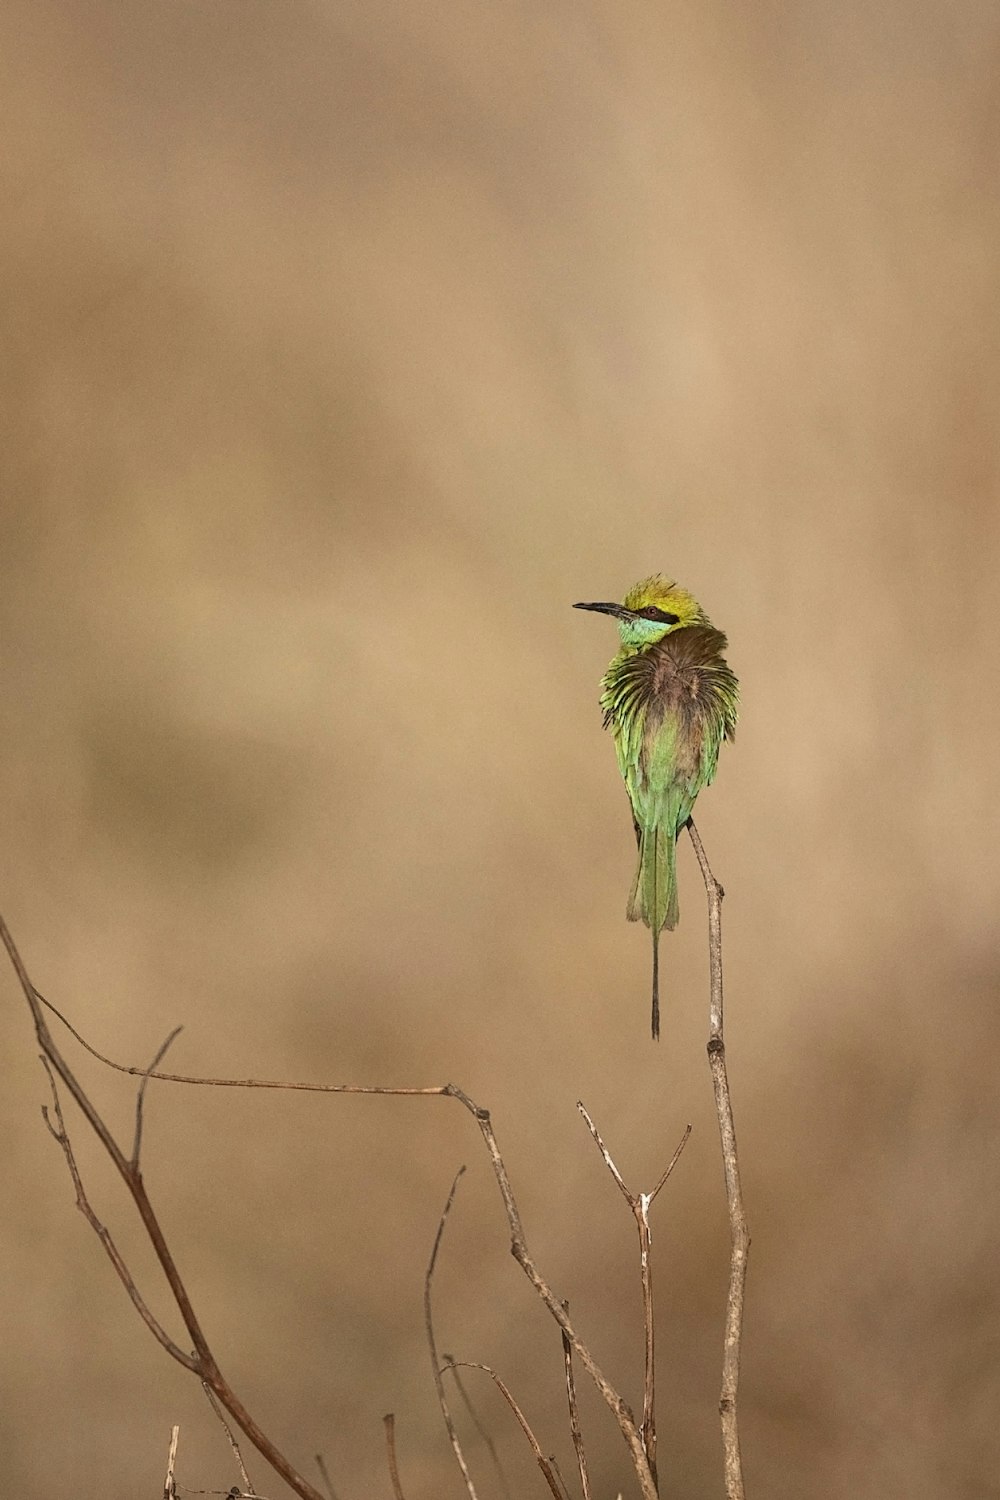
<point x="669" y="698"/>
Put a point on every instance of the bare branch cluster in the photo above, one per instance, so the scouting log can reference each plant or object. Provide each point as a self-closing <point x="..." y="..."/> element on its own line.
<point x="639" y="1435"/>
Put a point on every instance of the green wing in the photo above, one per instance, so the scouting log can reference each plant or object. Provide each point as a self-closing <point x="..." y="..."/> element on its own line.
<point x="668" y="725"/>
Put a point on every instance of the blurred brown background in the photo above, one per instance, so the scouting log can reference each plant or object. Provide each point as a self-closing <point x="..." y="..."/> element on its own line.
<point x="344" y="348"/>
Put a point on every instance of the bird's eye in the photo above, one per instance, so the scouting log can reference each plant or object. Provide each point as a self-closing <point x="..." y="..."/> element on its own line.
<point x="661" y="616"/>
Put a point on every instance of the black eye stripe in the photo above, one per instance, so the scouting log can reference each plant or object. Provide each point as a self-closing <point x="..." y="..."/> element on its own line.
<point x="652" y="613"/>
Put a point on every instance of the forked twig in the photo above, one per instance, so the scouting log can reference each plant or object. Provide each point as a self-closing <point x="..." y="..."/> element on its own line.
<point x="390" y="1446"/>
<point x="739" y="1234"/>
<point x="551" y="1477"/>
<point x="640" y="1204"/>
<point x="61" y="1137"/>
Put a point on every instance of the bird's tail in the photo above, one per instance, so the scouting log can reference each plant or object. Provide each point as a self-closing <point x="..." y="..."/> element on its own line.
<point x="653" y="899"/>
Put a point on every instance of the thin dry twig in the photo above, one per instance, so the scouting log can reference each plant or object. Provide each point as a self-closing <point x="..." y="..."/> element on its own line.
<point x="640" y="1204"/>
<point x="169" y="1488"/>
<point x="739" y="1234"/>
<point x="543" y="1463"/>
<point x="563" y="1486"/>
<point x="437" y="1090"/>
<point x="390" y="1445"/>
<point x="325" y="1476"/>
<point x="140" y="1097"/>
<point x="213" y="1403"/>
<point x="203" y="1362"/>
<point x="491" y="1447"/>
<point x="574" y="1414"/>
<point x="435" y="1362"/>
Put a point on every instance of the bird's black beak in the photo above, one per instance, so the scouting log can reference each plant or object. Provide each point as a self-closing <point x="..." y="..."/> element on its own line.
<point x="618" y="610"/>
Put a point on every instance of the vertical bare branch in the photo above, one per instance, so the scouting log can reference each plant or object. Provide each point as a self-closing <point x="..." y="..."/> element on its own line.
<point x="739" y="1234"/>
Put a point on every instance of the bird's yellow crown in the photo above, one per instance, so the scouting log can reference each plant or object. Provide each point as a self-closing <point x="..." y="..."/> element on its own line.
<point x="668" y="597"/>
<point x="655" y="607"/>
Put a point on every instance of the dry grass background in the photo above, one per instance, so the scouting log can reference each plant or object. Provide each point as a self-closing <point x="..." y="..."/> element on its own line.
<point x="344" y="348"/>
